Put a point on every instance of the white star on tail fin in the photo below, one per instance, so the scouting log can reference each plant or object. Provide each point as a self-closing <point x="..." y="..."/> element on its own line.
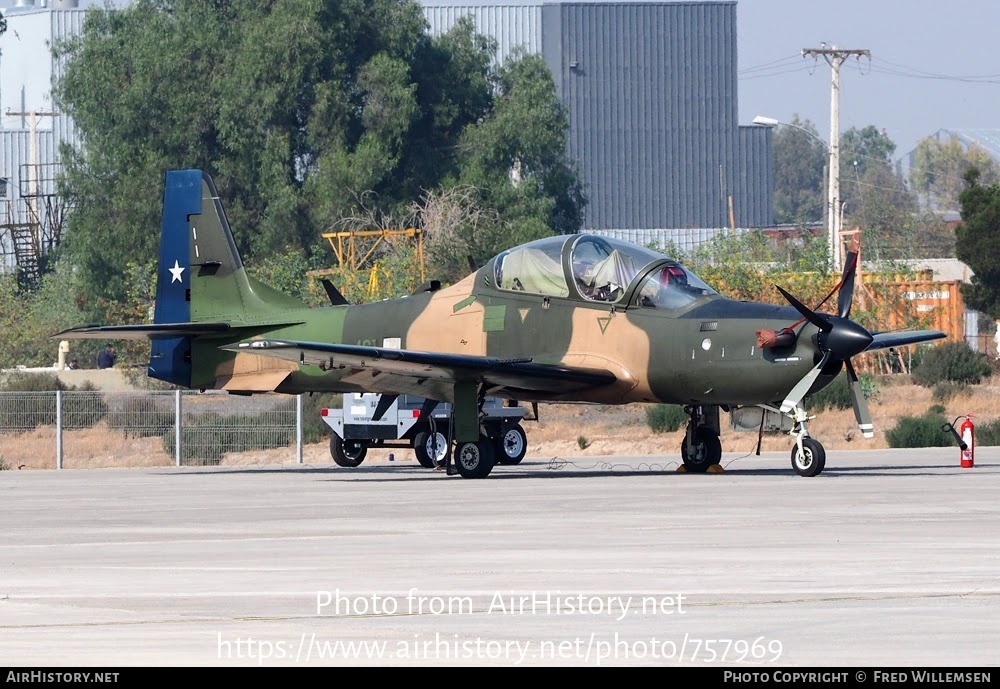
<point x="176" y="271"/>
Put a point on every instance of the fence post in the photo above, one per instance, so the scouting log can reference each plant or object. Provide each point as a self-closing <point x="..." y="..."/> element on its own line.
<point x="59" y="425"/>
<point x="298" y="428"/>
<point x="177" y="427"/>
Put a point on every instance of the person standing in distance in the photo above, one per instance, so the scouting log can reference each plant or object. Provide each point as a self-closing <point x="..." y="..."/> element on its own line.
<point x="106" y="359"/>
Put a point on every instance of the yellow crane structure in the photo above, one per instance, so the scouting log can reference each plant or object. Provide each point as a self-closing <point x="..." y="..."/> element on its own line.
<point x="358" y="251"/>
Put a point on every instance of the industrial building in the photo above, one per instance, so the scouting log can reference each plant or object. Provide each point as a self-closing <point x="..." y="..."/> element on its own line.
<point x="650" y="89"/>
<point x="651" y="93"/>
<point x="32" y="217"/>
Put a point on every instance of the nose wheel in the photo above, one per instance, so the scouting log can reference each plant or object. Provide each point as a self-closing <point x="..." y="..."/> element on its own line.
<point x="808" y="455"/>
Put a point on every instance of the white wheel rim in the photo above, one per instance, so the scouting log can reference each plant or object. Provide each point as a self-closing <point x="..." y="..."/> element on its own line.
<point x="513" y="443"/>
<point x="440" y="443"/>
<point x="804" y="458"/>
<point x="469" y="457"/>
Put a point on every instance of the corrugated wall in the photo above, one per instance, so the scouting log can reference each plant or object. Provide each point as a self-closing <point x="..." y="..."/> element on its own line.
<point x="511" y="25"/>
<point x="65" y="24"/>
<point x="651" y="91"/>
<point x="666" y="240"/>
<point x="754" y="191"/>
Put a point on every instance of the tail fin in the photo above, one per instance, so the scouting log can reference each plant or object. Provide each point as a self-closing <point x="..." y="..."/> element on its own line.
<point x="201" y="278"/>
<point x="204" y="297"/>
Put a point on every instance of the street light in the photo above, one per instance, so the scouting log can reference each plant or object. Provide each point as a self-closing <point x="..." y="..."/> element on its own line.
<point x="833" y="211"/>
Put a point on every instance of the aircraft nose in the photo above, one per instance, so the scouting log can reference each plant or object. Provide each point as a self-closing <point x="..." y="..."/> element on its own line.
<point x="845" y="338"/>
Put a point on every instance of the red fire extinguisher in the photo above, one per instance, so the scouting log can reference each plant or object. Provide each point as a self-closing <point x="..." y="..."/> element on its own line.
<point x="968" y="432"/>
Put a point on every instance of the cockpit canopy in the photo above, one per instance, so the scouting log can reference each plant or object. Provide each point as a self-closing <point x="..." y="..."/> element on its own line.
<point x="598" y="269"/>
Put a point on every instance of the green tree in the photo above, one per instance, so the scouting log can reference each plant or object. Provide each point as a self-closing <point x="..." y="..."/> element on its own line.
<point x="879" y="202"/>
<point x="298" y="108"/>
<point x="939" y="168"/>
<point x="977" y="243"/>
<point x="799" y="162"/>
<point x="862" y="150"/>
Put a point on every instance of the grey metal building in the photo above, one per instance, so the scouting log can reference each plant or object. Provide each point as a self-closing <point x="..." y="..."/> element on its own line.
<point x="650" y="88"/>
<point x="30" y="215"/>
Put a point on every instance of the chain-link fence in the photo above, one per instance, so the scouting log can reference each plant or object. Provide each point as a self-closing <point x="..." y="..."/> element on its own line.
<point x="77" y="429"/>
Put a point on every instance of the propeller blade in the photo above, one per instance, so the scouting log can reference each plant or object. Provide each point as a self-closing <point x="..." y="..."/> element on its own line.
<point x="806" y="312"/>
<point x="859" y="403"/>
<point x="846" y="294"/>
<point x="802" y="387"/>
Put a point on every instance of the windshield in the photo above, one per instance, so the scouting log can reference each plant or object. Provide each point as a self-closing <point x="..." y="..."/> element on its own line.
<point x="603" y="268"/>
<point x="671" y="287"/>
<point x="535" y="267"/>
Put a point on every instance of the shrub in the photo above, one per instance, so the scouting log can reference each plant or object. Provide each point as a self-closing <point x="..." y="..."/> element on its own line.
<point x="837" y="395"/>
<point x="205" y="438"/>
<point x="665" y="418"/>
<point x="141" y="416"/>
<point x="988" y="434"/>
<point x="919" y="431"/>
<point x="583" y="442"/>
<point x="937" y="409"/>
<point x="35" y="408"/>
<point x="951" y="362"/>
<point x="945" y="391"/>
<point x="32" y="382"/>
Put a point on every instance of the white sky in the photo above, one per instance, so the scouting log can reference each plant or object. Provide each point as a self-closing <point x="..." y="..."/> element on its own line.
<point x="958" y="38"/>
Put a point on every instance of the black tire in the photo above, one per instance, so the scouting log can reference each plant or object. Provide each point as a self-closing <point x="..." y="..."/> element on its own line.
<point x="707" y="451"/>
<point x="423" y="451"/>
<point x="511" y="445"/>
<point x="475" y="460"/>
<point x="349" y="453"/>
<point x="814" y="460"/>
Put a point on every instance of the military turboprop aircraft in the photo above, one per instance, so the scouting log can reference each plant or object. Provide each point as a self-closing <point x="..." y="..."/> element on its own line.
<point x="567" y="318"/>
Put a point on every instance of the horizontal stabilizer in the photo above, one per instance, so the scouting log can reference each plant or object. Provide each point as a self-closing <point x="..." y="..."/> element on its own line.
<point x="142" y="332"/>
<point x="903" y="338"/>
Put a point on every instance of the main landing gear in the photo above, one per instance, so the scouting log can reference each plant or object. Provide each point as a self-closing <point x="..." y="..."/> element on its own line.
<point x="701" y="448"/>
<point x="498" y="444"/>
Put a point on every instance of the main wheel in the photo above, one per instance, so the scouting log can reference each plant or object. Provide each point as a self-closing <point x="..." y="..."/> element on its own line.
<point x="475" y="460"/>
<point x="811" y="461"/>
<point x="431" y="449"/>
<point x="347" y="453"/>
<point x="511" y="446"/>
<point x="707" y="451"/>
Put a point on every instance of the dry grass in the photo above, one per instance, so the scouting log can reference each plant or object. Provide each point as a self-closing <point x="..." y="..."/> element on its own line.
<point x="609" y="430"/>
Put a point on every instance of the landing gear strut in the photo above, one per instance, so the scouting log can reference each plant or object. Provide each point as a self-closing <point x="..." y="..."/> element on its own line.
<point x="475" y="453"/>
<point x="701" y="447"/>
<point x="808" y="455"/>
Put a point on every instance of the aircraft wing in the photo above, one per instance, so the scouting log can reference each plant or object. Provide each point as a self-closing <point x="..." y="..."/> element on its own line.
<point x="403" y="370"/>
<point x="903" y="338"/>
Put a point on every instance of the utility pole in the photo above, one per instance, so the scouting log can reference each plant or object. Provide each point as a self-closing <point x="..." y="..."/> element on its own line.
<point x="32" y="116"/>
<point x="835" y="58"/>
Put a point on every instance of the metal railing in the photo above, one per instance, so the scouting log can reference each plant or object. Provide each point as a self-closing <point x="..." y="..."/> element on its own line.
<point x="84" y="429"/>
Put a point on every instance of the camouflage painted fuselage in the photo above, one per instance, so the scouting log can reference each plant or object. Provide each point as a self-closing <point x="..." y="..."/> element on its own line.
<point x="705" y="353"/>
